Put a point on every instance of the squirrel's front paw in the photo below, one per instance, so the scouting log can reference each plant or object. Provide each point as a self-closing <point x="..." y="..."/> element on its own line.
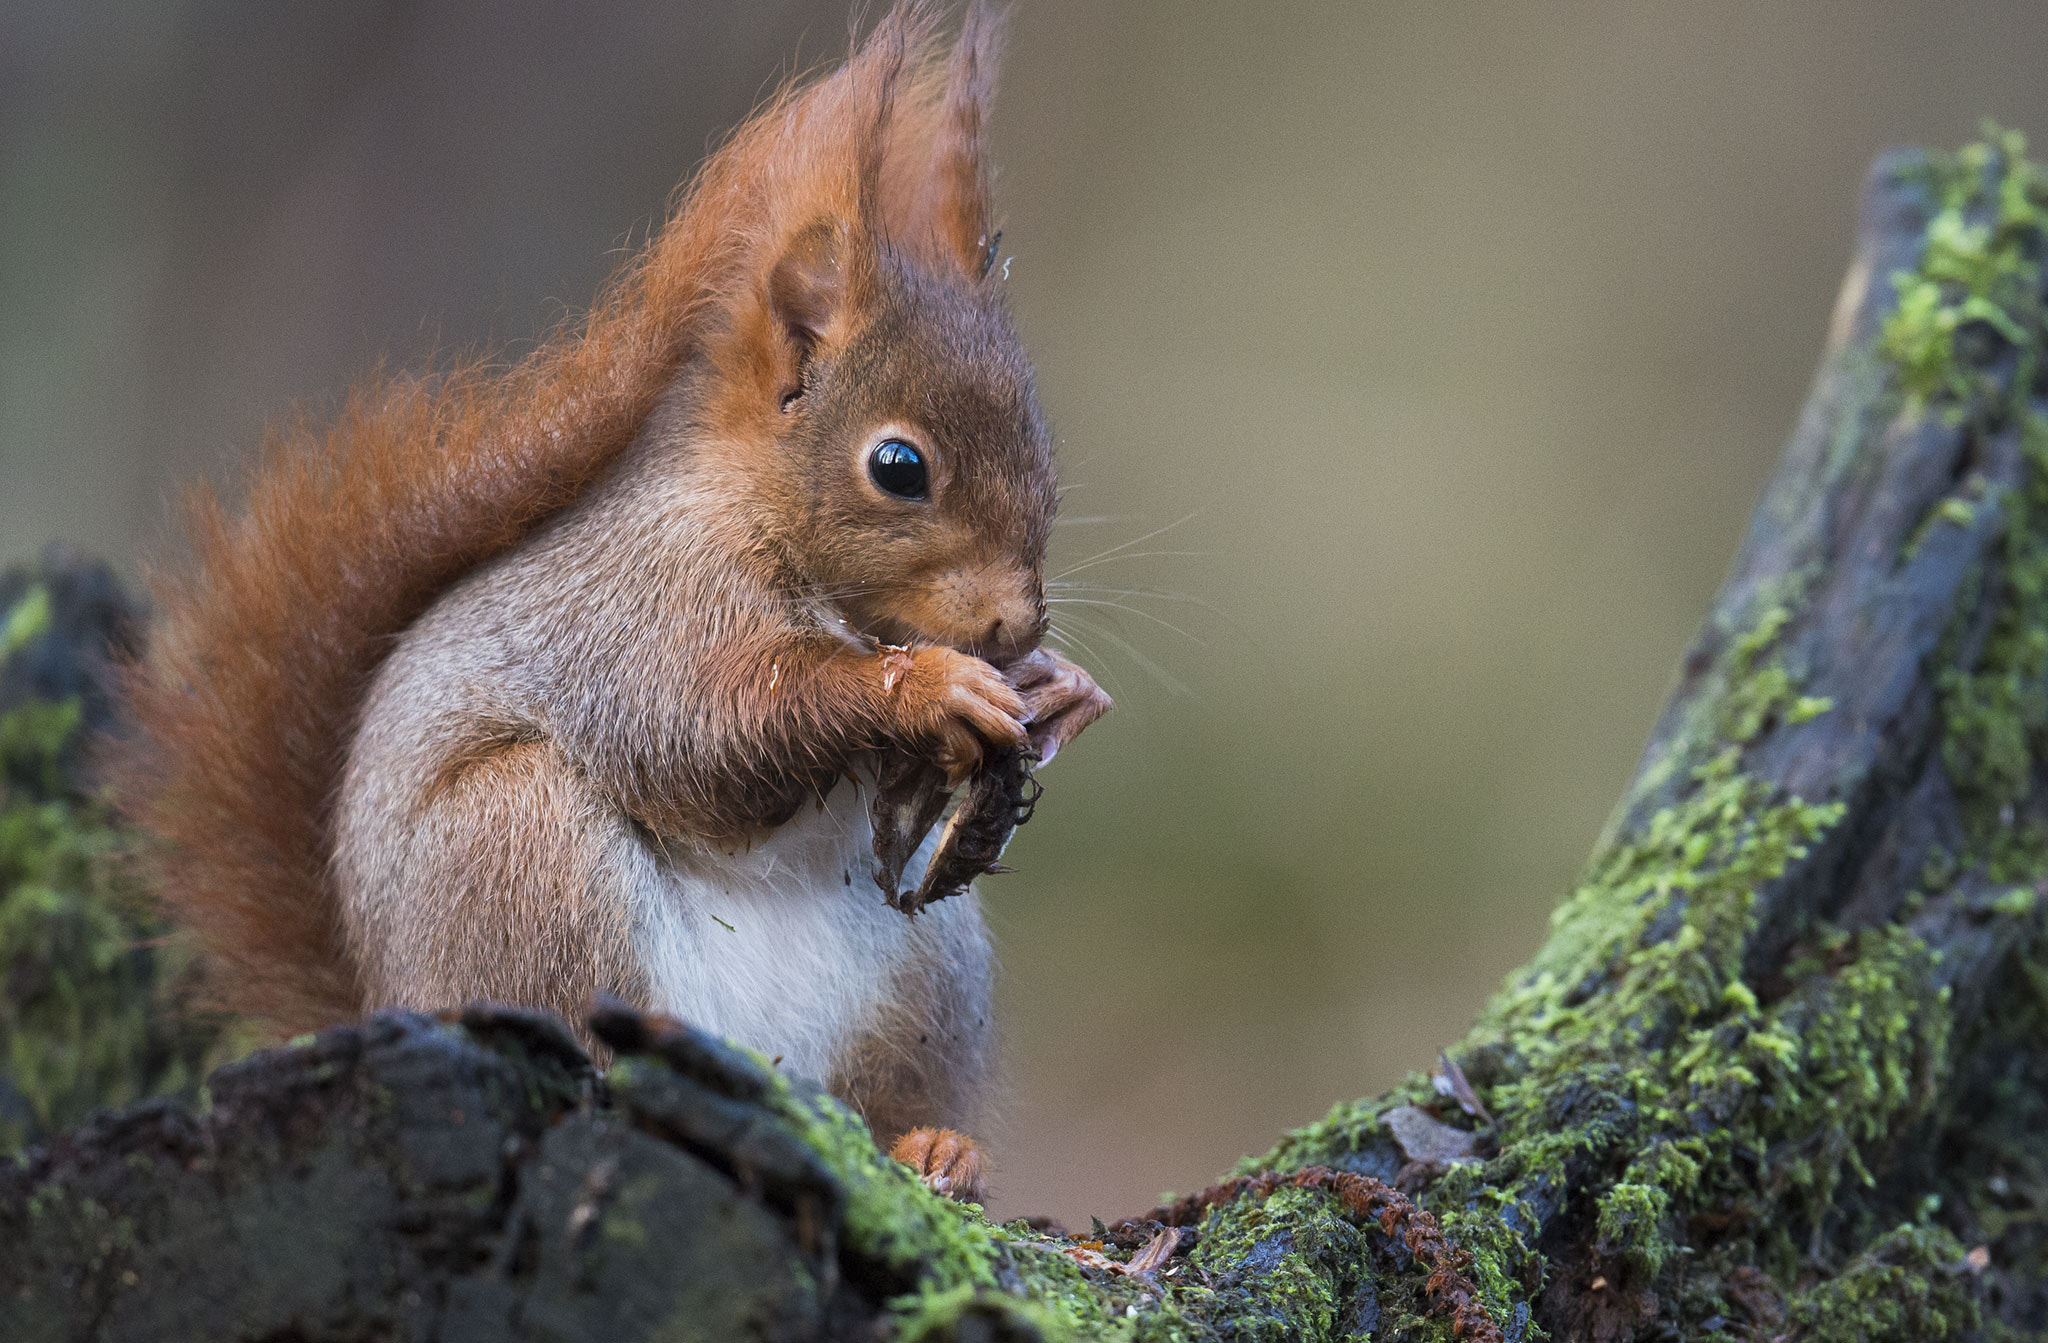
<point x="1060" y="699"/>
<point x="951" y="703"/>
<point x="948" y="1162"/>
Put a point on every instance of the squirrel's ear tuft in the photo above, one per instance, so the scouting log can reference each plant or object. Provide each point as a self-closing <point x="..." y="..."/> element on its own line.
<point x="952" y="208"/>
<point x="811" y="285"/>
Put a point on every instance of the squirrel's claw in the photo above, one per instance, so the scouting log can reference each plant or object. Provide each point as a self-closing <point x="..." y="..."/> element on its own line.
<point x="1060" y="699"/>
<point x="952" y="705"/>
<point x="949" y="1163"/>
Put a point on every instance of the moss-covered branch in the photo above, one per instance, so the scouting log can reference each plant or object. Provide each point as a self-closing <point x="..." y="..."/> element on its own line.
<point x="95" y="1009"/>
<point x="1779" y="1072"/>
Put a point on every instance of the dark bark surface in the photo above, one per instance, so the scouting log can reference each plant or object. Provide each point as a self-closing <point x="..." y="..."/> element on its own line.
<point x="1780" y="1072"/>
<point x="410" y="1179"/>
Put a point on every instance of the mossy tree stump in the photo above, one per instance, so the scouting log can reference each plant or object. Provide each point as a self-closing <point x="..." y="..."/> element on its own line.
<point x="1781" y="1071"/>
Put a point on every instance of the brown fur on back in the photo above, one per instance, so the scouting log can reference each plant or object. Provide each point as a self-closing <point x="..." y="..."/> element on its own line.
<point x="271" y="633"/>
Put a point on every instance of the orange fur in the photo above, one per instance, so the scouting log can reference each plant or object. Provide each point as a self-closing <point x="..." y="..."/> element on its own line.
<point x="950" y="1162"/>
<point x="269" y="637"/>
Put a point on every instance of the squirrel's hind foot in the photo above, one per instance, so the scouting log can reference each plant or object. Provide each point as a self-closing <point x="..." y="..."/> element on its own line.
<point x="948" y="1162"/>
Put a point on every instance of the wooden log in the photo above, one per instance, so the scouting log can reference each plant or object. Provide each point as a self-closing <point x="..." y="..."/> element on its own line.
<point x="1781" y="1071"/>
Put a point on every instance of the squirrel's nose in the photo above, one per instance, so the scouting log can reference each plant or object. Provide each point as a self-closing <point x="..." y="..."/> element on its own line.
<point x="1018" y="626"/>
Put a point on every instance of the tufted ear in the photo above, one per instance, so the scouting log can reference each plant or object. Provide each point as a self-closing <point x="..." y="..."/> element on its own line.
<point x="952" y="206"/>
<point x="811" y="286"/>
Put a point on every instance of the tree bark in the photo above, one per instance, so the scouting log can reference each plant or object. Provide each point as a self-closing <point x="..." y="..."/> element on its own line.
<point x="1781" y="1071"/>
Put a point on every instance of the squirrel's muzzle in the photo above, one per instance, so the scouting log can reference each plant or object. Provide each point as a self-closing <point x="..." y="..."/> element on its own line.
<point x="992" y="611"/>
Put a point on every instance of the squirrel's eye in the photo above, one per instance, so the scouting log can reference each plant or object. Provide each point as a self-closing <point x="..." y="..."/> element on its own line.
<point x="898" y="469"/>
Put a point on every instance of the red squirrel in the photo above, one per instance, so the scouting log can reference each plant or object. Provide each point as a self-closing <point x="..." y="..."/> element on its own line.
<point x="571" y="677"/>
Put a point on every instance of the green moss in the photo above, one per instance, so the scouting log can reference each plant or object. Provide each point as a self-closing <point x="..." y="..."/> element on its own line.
<point x="1996" y="712"/>
<point x="1633" y="1031"/>
<point x="1840" y="1068"/>
<point x="2017" y="903"/>
<point x="1488" y="1222"/>
<point x="964" y="1311"/>
<point x="1980" y="266"/>
<point x="1908" y="1287"/>
<point x="1636" y="1016"/>
<point x="1640" y="1087"/>
<point x="1976" y="268"/>
<point x="1350" y="1127"/>
<point x="1762" y="692"/>
<point x="26" y="622"/>
<point x="1685" y="1093"/>
<point x="1631" y="1221"/>
<point x="1995" y="709"/>
<point x="1278" y="1263"/>
<point x="1958" y="511"/>
<point x="1659" y="925"/>
<point x="891" y="1217"/>
<point x="94" y="1014"/>
<point x="959" y="1261"/>
<point x="1635" y="1069"/>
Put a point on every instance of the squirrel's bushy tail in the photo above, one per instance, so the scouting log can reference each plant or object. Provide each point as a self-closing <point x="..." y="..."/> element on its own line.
<point x="269" y="634"/>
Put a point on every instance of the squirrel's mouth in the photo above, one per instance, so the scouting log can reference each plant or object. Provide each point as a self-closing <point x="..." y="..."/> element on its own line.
<point x="996" y="631"/>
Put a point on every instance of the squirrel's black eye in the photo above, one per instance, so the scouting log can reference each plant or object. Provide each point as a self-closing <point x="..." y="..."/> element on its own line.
<point x="898" y="469"/>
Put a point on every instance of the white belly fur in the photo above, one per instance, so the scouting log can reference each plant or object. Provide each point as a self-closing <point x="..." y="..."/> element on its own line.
<point x="786" y="948"/>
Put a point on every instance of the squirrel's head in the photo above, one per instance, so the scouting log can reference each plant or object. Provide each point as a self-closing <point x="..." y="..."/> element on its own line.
<point x="916" y="464"/>
<point x="895" y="445"/>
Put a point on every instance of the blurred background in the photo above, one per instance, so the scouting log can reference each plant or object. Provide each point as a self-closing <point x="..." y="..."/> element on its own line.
<point x="1417" y="365"/>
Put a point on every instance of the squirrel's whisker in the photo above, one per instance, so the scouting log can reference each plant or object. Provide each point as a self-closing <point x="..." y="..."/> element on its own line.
<point x="1186" y="597"/>
<point x="1135" y="555"/>
<point x="1074" y="642"/>
<point x="1119" y="606"/>
<point x="1098" y="558"/>
<point x="1169" y="682"/>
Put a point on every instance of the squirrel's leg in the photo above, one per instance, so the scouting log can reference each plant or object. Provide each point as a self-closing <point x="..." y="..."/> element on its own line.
<point x="933" y="701"/>
<point x="755" y="712"/>
<point x="922" y="1070"/>
<point x="504" y="883"/>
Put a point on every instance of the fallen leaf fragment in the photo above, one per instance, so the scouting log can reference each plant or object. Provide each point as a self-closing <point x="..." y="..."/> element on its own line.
<point x="1450" y="1081"/>
<point x="1425" y="1138"/>
<point x="1156" y="1251"/>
